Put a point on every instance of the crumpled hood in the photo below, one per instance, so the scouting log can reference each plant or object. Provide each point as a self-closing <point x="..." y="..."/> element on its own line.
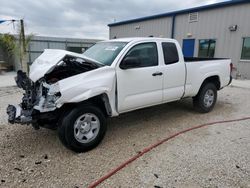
<point x="48" y="60"/>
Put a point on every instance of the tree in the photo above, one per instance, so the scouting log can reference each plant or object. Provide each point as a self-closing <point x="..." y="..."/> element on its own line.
<point x="12" y="46"/>
<point x="8" y="44"/>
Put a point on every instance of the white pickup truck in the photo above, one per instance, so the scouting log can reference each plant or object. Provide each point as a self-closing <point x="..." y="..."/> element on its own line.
<point x="75" y="93"/>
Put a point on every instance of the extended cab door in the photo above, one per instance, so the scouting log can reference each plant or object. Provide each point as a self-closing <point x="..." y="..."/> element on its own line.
<point x="139" y="78"/>
<point x="174" y="71"/>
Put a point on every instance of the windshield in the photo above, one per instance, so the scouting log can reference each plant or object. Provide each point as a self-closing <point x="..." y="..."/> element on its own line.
<point x="105" y="52"/>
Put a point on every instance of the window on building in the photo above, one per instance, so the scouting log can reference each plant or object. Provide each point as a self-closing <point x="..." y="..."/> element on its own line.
<point x="245" y="53"/>
<point x="146" y="53"/>
<point x="170" y="53"/>
<point x="206" y="48"/>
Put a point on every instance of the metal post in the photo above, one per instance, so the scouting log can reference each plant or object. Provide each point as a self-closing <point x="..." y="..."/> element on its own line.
<point x="173" y="27"/>
<point x="22" y="40"/>
<point x="22" y="35"/>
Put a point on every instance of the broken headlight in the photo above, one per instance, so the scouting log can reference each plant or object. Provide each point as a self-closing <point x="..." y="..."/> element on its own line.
<point x="47" y="102"/>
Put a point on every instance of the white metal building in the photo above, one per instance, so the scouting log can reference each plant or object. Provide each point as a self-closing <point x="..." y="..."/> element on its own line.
<point x="217" y="30"/>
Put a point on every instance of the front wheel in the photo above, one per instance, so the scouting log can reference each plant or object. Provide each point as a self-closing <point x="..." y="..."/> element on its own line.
<point x="205" y="100"/>
<point x="83" y="128"/>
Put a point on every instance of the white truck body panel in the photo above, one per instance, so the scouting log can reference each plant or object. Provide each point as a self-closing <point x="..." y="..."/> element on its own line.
<point x="132" y="89"/>
<point x="81" y="87"/>
<point x="137" y="88"/>
<point x="199" y="71"/>
<point x="173" y="85"/>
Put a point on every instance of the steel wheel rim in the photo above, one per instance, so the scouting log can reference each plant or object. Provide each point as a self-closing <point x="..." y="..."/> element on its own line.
<point x="86" y="128"/>
<point x="209" y="98"/>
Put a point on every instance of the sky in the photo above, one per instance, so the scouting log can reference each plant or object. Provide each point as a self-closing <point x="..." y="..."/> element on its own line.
<point x="82" y="18"/>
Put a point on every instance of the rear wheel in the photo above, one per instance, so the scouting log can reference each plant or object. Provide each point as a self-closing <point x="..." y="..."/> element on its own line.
<point x="83" y="128"/>
<point x="206" y="98"/>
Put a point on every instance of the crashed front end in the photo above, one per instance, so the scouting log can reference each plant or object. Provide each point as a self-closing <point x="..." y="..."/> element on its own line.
<point x="39" y="103"/>
<point x="39" y="97"/>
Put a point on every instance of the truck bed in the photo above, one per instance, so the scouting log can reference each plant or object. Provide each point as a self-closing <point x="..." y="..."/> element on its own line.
<point x="198" y="69"/>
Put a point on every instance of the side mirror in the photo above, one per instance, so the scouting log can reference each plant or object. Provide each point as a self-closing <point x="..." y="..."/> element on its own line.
<point x="129" y="62"/>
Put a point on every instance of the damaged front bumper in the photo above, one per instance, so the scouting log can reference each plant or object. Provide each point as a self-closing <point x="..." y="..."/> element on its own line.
<point x="38" y="98"/>
<point x="17" y="115"/>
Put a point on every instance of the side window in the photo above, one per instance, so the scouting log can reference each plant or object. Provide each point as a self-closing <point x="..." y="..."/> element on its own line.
<point x="170" y="53"/>
<point x="145" y="54"/>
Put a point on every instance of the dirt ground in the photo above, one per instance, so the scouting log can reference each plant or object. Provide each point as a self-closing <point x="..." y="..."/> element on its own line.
<point x="216" y="156"/>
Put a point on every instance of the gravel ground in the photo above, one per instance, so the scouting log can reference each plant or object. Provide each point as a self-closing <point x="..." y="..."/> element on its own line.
<point x="211" y="157"/>
<point x="7" y="79"/>
<point x="217" y="156"/>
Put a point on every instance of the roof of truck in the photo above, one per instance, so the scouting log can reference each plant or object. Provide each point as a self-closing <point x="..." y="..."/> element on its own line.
<point x="136" y="39"/>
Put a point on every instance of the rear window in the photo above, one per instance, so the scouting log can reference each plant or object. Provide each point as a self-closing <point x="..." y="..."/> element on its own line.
<point x="170" y="53"/>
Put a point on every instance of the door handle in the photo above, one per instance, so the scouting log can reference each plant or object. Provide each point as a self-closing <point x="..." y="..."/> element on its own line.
<point x="157" y="74"/>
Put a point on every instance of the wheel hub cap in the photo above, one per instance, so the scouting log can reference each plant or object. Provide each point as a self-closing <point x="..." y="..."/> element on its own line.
<point x="209" y="98"/>
<point x="86" y="128"/>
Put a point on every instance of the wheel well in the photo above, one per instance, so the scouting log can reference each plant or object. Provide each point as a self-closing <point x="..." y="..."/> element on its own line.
<point x="101" y="101"/>
<point x="213" y="79"/>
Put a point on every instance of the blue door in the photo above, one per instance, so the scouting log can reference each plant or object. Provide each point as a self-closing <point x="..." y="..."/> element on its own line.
<point x="188" y="47"/>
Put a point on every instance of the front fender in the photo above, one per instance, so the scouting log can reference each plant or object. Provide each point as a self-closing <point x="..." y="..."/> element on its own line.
<point x="89" y="94"/>
<point x="84" y="86"/>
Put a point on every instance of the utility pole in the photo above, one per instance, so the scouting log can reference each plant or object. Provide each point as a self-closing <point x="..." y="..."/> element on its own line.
<point x="22" y="34"/>
<point x="22" y="40"/>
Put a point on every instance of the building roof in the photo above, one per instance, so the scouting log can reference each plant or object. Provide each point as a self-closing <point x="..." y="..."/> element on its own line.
<point x="190" y="10"/>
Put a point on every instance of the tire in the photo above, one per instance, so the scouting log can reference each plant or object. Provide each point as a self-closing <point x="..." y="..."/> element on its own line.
<point x="83" y="128"/>
<point x="61" y="131"/>
<point x="205" y="100"/>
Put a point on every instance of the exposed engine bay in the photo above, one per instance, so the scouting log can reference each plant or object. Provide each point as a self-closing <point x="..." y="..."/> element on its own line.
<point x="40" y="96"/>
<point x="68" y="67"/>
